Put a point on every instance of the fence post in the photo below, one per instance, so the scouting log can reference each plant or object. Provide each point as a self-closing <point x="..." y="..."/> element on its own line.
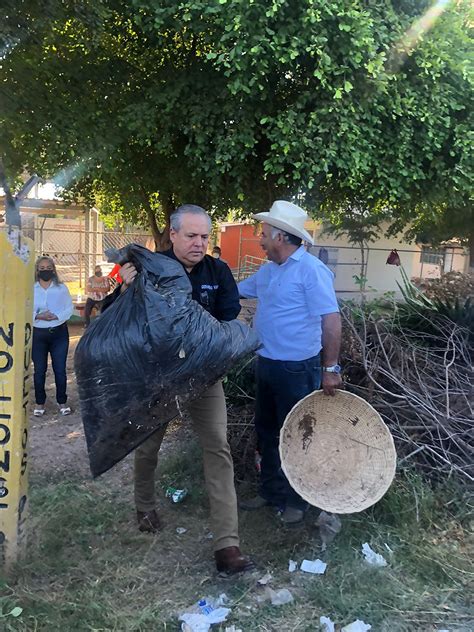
<point x="16" y="298"/>
<point x="239" y="263"/>
<point x="87" y="244"/>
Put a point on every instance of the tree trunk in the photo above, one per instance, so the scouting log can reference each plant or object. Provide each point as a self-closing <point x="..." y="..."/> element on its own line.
<point x="161" y="238"/>
<point x="155" y="231"/>
<point x="168" y="207"/>
<point x="363" y="277"/>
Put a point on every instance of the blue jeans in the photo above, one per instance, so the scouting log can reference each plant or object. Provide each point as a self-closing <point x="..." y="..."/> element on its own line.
<point x="55" y="341"/>
<point x="280" y="385"/>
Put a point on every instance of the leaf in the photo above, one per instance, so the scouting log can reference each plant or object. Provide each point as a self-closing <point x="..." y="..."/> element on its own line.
<point x="16" y="611"/>
<point x="348" y="86"/>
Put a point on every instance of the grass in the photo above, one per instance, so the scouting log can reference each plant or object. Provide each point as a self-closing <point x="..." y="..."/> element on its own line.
<point x="89" y="569"/>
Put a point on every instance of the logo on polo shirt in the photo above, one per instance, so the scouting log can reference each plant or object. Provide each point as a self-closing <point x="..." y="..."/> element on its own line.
<point x="209" y="287"/>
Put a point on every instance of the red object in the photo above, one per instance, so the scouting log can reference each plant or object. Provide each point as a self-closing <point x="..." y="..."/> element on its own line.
<point x="114" y="273"/>
<point x="258" y="461"/>
<point x="393" y="258"/>
<point x="238" y="240"/>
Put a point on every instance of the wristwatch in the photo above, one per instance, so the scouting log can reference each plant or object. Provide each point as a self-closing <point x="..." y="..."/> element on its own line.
<point x="335" y="368"/>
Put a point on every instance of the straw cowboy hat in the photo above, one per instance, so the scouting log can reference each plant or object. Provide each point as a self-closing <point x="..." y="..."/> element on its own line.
<point x="288" y="217"/>
<point x="336" y="452"/>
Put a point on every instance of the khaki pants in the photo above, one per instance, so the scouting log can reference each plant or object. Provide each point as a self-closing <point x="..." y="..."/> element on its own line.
<point x="209" y="416"/>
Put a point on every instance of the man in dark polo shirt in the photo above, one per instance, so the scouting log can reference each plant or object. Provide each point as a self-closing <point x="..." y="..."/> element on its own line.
<point x="214" y="288"/>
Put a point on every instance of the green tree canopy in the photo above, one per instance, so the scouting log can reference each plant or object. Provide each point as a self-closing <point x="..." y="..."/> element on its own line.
<point x="140" y="105"/>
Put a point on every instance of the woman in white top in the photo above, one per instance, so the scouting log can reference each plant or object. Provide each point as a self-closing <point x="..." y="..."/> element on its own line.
<point x="52" y="309"/>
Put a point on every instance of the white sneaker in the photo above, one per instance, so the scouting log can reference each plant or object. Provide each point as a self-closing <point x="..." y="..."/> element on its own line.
<point x="38" y="412"/>
<point x="65" y="410"/>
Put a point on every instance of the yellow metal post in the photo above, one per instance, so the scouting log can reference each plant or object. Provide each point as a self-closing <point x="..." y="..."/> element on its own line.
<point x="16" y="312"/>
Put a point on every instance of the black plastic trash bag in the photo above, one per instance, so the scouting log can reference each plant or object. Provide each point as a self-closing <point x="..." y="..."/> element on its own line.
<point x="151" y="351"/>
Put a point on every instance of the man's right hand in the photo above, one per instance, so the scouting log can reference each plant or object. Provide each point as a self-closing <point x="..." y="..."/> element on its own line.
<point x="128" y="272"/>
<point x="47" y="315"/>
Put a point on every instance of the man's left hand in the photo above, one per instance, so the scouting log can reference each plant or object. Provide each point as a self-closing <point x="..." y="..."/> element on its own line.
<point x="331" y="382"/>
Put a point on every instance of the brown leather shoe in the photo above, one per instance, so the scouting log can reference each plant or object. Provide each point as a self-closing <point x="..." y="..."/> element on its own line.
<point x="149" y="521"/>
<point x="230" y="561"/>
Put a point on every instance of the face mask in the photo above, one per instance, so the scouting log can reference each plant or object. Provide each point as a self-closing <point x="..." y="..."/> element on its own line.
<point x="98" y="274"/>
<point x="46" y="275"/>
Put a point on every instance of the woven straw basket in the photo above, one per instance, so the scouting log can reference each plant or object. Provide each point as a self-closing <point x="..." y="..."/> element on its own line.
<point x="337" y="452"/>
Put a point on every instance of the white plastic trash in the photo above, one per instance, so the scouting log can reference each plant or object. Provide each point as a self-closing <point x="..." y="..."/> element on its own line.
<point x="263" y="581"/>
<point x="280" y="597"/>
<point x="222" y="600"/>
<point x="326" y="624"/>
<point x="202" y="622"/>
<point x="371" y="557"/>
<point x="357" y="626"/>
<point x="317" y="567"/>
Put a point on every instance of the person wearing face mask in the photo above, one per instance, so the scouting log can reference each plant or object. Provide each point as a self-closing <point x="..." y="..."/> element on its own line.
<point x="97" y="289"/>
<point x="52" y="309"/>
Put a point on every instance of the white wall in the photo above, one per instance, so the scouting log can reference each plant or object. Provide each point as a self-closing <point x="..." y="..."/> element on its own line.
<point x="381" y="276"/>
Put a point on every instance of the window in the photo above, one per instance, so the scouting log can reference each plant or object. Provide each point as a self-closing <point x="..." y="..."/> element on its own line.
<point x="432" y="256"/>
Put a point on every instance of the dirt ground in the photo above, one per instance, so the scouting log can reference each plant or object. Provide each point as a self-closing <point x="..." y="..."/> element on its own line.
<point x="93" y="569"/>
<point x="57" y="443"/>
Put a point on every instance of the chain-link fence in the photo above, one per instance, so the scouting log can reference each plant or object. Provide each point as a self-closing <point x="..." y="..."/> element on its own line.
<point x="355" y="269"/>
<point x="77" y="247"/>
<point x="76" y="250"/>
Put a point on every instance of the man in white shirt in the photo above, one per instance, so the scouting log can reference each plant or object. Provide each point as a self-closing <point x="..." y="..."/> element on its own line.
<point x="297" y="320"/>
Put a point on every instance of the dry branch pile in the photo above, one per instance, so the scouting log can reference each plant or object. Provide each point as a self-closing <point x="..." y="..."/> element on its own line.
<point x="242" y="441"/>
<point x="239" y="387"/>
<point x="421" y="383"/>
<point x="451" y="286"/>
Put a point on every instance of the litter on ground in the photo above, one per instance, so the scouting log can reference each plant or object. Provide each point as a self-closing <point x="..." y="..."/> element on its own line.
<point x="329" y="526"/>
<point x="326" y="624"/>
<point x="198" y="622"/>
<point x="200" y="616"/>
<point x="222" y="600"/>
<point x="280" y="597"/>
<point x="371" y="557"/>
<point x="317" y="567"/>
<point x="357" y="626"/>
<point x="263" y="581"/>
